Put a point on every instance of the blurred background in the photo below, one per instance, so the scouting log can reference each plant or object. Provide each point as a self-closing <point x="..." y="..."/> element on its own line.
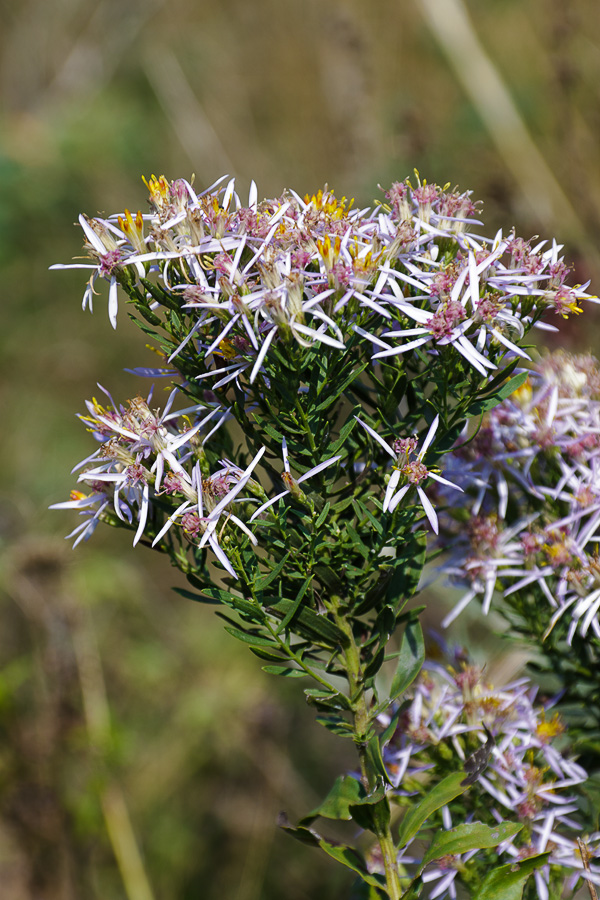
<point x="144" y="755"/>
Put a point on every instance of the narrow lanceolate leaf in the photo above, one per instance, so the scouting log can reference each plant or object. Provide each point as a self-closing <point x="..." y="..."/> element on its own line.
<point x="472" y="836"/>
<point x="507" y="882"/>
<point x="265" y="581"/>
<point x="449" y="788"/>
<point x="484" y="404"/>
<point x="376" y="759"/>
<point x="249" y="637"/>
<point x="295" y="605"/>
<point x="310" y="624"/>
<point x="285" y="671"/>
<point x="410" y="660"/>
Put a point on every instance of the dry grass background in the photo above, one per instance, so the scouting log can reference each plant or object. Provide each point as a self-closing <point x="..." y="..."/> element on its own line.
<point x="142" y="754"/>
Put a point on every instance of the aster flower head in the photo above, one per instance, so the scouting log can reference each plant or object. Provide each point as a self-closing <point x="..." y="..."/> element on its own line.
<point x="409" y="468"/>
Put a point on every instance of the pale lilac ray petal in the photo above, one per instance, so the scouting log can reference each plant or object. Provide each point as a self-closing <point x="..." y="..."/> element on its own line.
<point x="261" y="355"/>
<point x="377" y="437"/>
<point x="143" y="513"/>
<point x="430" y="437"/>
<point x="266" y="505"/>
<point x="429" y="510"/>
<point x="318" y="469"/>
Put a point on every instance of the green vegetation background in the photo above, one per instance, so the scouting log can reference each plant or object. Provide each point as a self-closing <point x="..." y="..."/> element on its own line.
<point x="143" y="754"/>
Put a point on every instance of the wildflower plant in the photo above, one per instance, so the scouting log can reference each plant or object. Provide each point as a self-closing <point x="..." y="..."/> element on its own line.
<point x="351" y="396"/>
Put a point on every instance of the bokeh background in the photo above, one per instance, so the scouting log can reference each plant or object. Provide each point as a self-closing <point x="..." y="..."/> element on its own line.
<point x="143" y="753"/>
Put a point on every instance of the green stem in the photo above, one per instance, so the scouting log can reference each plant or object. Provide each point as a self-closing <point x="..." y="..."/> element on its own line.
<point x="362" y="719"/>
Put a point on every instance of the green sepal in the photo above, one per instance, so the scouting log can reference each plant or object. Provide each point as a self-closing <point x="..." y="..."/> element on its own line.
<point x="410" y="659"/>
<point x="507" y="882"/>
<point x="471" y="836"/>
<point x="447" y="789"/>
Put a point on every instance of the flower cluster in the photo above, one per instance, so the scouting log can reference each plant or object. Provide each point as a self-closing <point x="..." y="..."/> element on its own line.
<point x="353" y="346"/>
<point x="233" y="286"/>
<point x="526" y="776"/>
<point x="153" y="466"/>
<point x="530" y="520"/>
<point x="403" y="275"/>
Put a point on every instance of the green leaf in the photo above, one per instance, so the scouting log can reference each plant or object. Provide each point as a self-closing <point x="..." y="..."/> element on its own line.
<point x="410" y="660"/>
<point x="373" y="811"/>
<point x="374" y="665"/>
<point x="295" y="604"/>
<point x="159" y="294"/>
<point x="249" y="637"/>
<point x="274" y="655"/>
<point x="376" y="759"/>
<point x="323" y="515"/>
<point x="261" y="583"/>
<point x="507" y="882"/>
<point x="513" y="385"/>
<point x="350" y="858"/>
<point x="408" y="566"/>
<point x="148" y="315"/>
<point x="309" y="624"/>
<point x="336" y="725"/>
<point x="447" y="789"/>
<point x="197" y="598"/>
<point x="413" y="891"/>
<point x="346" y="792"/>
<point x="357" y="543"/>
<point x="345" y="430"/>
<point x="484" y="404"/>
<point x="304" y="835"/>
<point x="472" y="836"/>
<point x="373" y="817"/>
<point x="360" y="890"/>
<point x="285" y="671"/>
<point x="325" y="700"/>
<point x="340" y="388"/>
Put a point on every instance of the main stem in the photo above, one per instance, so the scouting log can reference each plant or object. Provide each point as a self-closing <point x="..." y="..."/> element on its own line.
<point x="362" y="723"/>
